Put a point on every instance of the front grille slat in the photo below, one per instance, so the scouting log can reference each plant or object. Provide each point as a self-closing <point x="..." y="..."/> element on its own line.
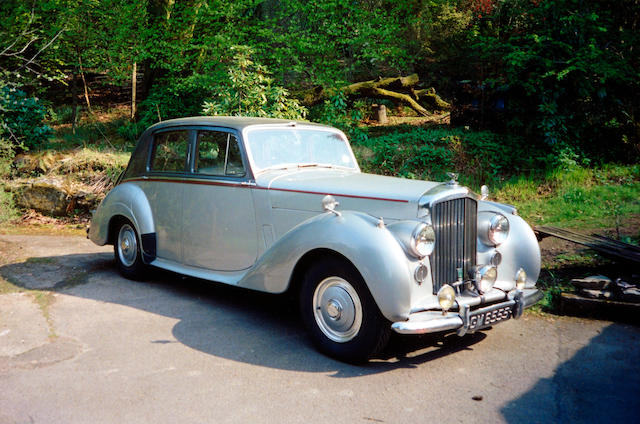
<point x="455" y="225"/>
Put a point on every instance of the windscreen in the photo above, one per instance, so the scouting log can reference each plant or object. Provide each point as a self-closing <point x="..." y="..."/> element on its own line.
<point x="289" y="147"/>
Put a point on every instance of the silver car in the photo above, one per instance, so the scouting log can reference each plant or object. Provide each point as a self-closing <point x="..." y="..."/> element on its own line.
<point x="280" y="206"/>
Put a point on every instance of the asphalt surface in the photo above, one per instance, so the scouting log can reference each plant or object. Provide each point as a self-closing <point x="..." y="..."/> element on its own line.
<point x="80" y="344"/>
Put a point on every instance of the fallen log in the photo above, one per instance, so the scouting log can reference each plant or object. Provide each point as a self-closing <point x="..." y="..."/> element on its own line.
<point x="382" y="88"/>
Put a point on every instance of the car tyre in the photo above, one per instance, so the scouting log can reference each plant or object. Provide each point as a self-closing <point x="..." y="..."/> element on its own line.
<point x="126" y="249"/>
<point x="340" y="314"/>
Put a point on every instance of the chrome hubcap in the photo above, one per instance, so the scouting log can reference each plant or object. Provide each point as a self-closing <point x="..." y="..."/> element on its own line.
<point x="337" y="309"/>
<point x="127" y="245"/>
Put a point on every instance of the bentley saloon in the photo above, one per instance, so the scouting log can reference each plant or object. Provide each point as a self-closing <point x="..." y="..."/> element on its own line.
<point x="280" y="206"/>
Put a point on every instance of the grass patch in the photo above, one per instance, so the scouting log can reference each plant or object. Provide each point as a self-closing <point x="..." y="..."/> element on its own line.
<point x="83" y="164"/>
<point x="102" y="129"/>
<point x="8" y="210"/>
<point x="43" y="229"/>
<point x="39" y="260"/>
<point x="44" y="300"/>
<point x="577" y="198"/>
<point x="8" y="287"/>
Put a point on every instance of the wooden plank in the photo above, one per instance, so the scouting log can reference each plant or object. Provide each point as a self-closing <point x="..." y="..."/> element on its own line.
<point x="601" y="244"/>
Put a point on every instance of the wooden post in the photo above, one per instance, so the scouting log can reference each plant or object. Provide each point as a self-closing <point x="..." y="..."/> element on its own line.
<point x="84" y="83"/>
<point x="134" y="79"/>
<point x="74" y="103"/>
<point x="382" y="114"/>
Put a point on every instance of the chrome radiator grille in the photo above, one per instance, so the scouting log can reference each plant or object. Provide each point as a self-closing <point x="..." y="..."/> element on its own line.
<point x="455" y="223"/>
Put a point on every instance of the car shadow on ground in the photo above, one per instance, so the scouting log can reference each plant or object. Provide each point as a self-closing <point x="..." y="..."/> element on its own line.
<point x="595" y="385"/>
<point x="225" y="321"/>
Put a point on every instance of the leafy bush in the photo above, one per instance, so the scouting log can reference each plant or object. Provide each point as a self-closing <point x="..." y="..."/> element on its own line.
<point x="431" y="152"/>
<point x="249" y="91"/>
<point x="62" y="114"/>
<point x="21" y="119"/>
<point x="7" y="208"/>
<point x="335" y="112"/>
<point x="571" y="72"/>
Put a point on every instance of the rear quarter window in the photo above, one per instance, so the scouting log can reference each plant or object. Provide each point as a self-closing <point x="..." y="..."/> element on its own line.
<point x="169" y="152"/>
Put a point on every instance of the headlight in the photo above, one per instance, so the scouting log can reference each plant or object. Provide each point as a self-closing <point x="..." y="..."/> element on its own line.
<point x="486" y="276"/>
<point x="446" y="297"/>
<point x="498" y="229"/>
<point x="423" y="240"/>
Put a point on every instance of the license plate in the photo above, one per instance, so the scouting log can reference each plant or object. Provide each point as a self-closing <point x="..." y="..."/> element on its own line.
<point x="486" y="318"/>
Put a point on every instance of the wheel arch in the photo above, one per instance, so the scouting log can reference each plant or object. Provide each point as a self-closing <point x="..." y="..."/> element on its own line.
<point x="305" y="262"/>
<point x="125" y="202"/>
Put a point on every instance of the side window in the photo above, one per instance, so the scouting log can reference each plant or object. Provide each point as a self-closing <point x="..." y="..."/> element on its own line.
<point x="170" y="151"/>
<point x="218" y="154"/>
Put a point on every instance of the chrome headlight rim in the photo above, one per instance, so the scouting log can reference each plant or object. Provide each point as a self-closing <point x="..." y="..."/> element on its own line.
<point x="423" y="240"/>
<point x="498" y="229"/>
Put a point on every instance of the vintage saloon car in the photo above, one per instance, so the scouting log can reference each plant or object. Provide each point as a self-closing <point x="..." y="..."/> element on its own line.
<point x="277" y="206"/>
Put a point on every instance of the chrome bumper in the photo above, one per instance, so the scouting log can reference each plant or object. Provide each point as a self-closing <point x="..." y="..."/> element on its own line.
<point x="436" y="321"/>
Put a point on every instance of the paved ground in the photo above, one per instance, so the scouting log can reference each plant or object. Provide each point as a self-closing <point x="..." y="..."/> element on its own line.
<point x="79" y="344"/>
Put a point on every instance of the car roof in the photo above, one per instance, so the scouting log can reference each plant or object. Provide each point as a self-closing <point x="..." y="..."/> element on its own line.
<point x="234" y="122"/>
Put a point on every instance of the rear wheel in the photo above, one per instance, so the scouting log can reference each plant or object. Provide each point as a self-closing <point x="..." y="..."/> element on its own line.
<point x="340" y="313"/>
<point x="127" y="252"/>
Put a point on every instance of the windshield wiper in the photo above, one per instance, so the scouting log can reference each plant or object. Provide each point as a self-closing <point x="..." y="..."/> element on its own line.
<point x="315" y="165"/>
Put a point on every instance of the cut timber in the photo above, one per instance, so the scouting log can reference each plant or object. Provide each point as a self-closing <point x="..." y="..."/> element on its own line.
<point x="606" y="246"/>
<point x="397" y="89"/>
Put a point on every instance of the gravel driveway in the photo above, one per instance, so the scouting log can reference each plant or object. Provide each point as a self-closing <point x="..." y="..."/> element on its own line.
<point x="80" y="344"/>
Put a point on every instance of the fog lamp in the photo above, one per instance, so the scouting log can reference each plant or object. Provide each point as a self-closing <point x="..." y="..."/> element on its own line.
<point x="446" y="297"/>
<point x="486" y="276"/>
<point x="521" y="279"/>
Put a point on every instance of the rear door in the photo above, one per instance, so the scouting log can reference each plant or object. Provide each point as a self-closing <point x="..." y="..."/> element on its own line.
<point x="164" y="188"/>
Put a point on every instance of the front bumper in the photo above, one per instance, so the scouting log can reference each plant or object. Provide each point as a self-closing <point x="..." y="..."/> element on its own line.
<point x="467" y="321"/>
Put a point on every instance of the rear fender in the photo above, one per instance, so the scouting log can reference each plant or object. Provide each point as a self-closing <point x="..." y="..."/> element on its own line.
<point x="129" y="201"/>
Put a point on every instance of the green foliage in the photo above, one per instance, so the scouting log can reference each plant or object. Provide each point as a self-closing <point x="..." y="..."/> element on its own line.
<point x="335" y="112"/>
<point x="8" y="210"/>
<point x="62" y="114"/>
<point x="571" y="72"/>
<point x="428" y="153"/>
<point x="249" y="91"/>
<point x="6" y="155"/>
<point x="576" y="197"/>
<point x="21" y="118"/>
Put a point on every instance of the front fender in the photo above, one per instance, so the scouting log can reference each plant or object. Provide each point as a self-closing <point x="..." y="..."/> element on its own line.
<point x="372" y="249"/>
<point x="520" y="250"/>
<point x="127" y="200"/>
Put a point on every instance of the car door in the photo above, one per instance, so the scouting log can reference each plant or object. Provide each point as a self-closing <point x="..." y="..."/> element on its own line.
<point x="219" y="226"/>
<point x="163" y="186"/>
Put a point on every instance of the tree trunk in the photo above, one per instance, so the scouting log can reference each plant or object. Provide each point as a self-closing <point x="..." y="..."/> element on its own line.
<point x="134" y="81"/>
<point x="74" y="102"/>
<point x="385" y="88"/>
<point x="84" y="83"/>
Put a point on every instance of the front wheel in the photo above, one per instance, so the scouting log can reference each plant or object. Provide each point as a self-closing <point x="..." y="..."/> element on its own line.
<point x="340" y="313"/>
<point x="126" y="250"/>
